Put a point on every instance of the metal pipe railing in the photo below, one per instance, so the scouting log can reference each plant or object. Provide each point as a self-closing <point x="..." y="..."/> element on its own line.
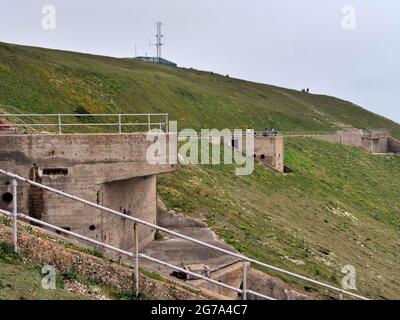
<point x="15" y="212"/>
<point x="84" y="124"/>
<point x="178" y="235"/>
<point x="305" y="133"/>
<point x="80" y="115"/>
<point x="119" y="123"/>
<point x="129" y="254"/>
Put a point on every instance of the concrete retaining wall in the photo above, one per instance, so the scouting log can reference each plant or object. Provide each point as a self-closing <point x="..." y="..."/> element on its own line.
<point x="334" y="138"/>
<point x="170" y="220"/>
<point x="371" y="141"/>
<point x="353" y="139"/>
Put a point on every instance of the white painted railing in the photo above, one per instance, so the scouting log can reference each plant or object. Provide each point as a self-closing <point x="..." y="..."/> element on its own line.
<point x="246" y="260"/>
<point x="306" y="133"/>
<point x="123" y="252"/>
<point x="144" y="121"/>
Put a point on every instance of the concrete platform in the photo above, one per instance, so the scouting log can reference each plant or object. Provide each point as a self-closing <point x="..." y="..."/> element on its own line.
<point x="181" y="252"/>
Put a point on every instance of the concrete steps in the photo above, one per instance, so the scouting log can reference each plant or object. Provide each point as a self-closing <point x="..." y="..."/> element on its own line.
<point x="193" y="256"/>
<point x="209" y="262"/>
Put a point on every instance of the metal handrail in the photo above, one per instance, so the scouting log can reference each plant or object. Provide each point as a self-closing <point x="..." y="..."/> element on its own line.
<point x="178" y="235"/>
<point x="306" y="133"/>
<point x="119" y="120"/>
<point x="81" y="114"/>
<point x="81" y="124"/>
<point x="130" y="254"/>
<point x="18" y="112"/>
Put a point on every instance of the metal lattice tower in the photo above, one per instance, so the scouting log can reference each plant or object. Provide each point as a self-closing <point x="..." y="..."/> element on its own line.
<point x="159" y="37"/>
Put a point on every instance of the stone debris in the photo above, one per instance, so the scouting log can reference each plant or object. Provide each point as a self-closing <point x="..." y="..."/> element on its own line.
<point x="92" y="292"/>
<point x="41" y="248"/>
<point x="200" y="269"/>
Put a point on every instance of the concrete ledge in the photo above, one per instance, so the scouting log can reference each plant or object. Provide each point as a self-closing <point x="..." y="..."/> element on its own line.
<point x="170" y="220"/>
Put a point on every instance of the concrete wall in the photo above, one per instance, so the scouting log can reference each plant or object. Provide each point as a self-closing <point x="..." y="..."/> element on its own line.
<point x="171" y="220"/>
<point x="379" y="145"/>
<point x="371" y="141"/>
<point x="366" y="144"/>
<point x="351" y="139"/>
<point x="99" y="168"/>
<point x="134" y="197"/>
<point x="334" y="138"/>
<point x="269" y="150"/>
<point x="393" y="145"/>
<point x="231" y="275"/>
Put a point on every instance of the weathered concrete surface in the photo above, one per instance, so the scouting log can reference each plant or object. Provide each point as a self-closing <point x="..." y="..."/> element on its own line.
<point x="168" y="219"/>
<point x="107" y="169"/>
<point x="184" y="253"/>
<point x="133" y="197"/>
<point x="230" y="274"/>
<point x="379" y="145"/>
<point x="271" y="151"/>
<point x="268" y="150"/>
<point x="374" y="141"/>
<point x="272" y="287"/>
<point x="393" y="145"/>
<point x="218" y="266"/>
<point x="346" y="138"/>
<point x="181" y="252"/>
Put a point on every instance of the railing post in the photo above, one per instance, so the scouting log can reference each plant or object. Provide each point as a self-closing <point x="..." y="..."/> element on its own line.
<point x="15" y="216"/>
<point x="59" y="124"/>
<point x="149" y="121"/>
<point x="136" y="235"/>
<point x="244" y="295"/>
<point x="119" y="124"/>
<point x="167" y="124"/>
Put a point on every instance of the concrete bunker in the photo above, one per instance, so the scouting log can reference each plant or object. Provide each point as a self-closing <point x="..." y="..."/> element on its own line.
<point x="269" y="151"/>
<point x="108" y="169"/>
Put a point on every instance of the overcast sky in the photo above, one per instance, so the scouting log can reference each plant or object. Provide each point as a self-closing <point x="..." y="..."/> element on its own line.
<point x="290" y="43"/>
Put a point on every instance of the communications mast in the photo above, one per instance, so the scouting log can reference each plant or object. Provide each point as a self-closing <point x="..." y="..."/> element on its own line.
<point x="159" y="37"/>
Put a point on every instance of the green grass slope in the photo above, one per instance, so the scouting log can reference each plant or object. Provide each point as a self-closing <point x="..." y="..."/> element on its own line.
<point x="22" y="280"/>
<point x="48" y="81"/>
<point x="340" y="207"/>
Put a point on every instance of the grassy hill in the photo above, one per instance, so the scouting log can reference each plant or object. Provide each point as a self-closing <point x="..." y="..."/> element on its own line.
<point x="340" y="206"/>
<point x="47" y="81"/>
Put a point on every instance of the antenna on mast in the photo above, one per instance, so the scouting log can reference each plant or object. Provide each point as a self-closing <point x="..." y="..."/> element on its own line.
<point x="159" y="38"/>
